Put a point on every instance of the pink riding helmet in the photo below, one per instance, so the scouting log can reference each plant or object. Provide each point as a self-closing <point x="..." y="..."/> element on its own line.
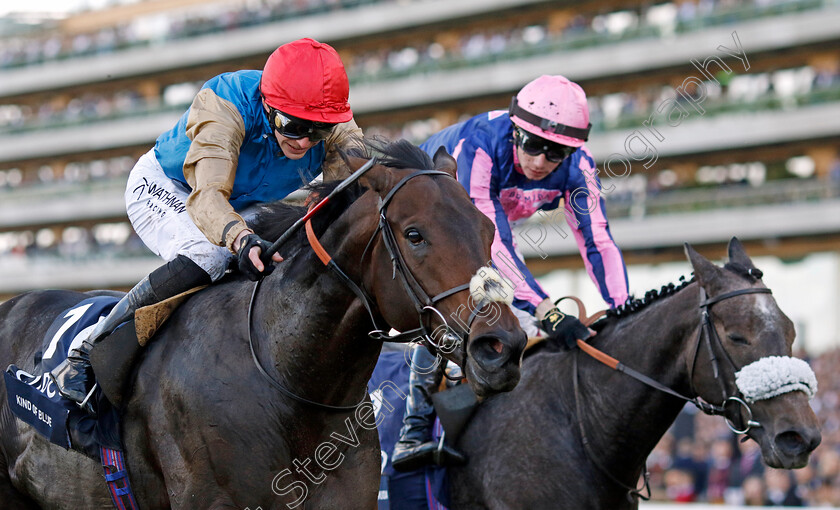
<point x="554" y="108"/>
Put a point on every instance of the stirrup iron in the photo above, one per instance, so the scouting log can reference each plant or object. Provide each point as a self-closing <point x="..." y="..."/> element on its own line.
<point x="85" y="404"/>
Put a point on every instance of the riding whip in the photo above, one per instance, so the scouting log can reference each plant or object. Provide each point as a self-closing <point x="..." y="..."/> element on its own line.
<point x="338" y="189"/>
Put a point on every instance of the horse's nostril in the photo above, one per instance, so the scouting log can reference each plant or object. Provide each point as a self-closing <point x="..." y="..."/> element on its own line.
<point x="792" y="442"/>
<point x="497" y="346"/>
<point x="490" y="351"/>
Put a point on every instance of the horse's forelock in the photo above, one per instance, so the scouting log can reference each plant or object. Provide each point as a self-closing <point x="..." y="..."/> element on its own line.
<point x="750" y="273"/>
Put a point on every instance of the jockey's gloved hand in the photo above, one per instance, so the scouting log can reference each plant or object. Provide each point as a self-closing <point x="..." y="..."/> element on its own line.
<point x="563" y="328"/>
<point x="246" y="265"/>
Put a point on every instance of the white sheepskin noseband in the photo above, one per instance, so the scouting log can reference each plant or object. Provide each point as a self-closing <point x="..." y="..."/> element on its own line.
<point x="775" y="375"/>
<point x="488" y="285"/>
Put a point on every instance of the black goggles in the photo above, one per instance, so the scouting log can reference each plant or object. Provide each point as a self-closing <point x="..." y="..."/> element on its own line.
<point x="534" y="146"/>
<point x="295" y="128"/>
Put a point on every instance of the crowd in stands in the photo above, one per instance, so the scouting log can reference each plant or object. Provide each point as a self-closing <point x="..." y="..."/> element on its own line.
<point x="34" y="48"/>
<point x="77" y="243"/>
<point x="701" y="460"/>
<point x="781" y="88"/>
<point x="607" y="111"/>
<point x="663" y="19"/>
<point x="72" y="173"/>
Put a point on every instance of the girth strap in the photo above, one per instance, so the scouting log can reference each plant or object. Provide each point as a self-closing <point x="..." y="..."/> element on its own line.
<point x="116" y="478"/>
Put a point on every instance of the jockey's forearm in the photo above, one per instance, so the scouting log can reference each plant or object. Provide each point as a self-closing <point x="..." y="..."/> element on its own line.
<point x="208" y="205"/>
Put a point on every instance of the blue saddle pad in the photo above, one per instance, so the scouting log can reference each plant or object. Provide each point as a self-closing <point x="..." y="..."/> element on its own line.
<point x="34" y="398"/>
<point x="423" y="489"/>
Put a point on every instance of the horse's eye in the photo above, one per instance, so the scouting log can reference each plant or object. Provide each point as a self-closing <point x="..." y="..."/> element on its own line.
<point x="738" y="339"/>
<point x="413" y="236"/>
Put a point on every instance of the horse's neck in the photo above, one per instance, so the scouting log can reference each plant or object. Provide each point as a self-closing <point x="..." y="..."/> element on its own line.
<point x="626" y="424"/>
<point x="314" y="333"/>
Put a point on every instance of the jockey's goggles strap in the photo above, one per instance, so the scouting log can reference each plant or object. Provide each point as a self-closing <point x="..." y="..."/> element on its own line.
<point x="548" y="125"/>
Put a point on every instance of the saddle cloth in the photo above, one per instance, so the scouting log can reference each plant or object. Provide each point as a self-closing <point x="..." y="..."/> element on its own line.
<point x="34" y="398"/>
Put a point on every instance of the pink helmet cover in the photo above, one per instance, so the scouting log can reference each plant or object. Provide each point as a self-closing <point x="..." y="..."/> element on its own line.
<point x="554" y="108"/>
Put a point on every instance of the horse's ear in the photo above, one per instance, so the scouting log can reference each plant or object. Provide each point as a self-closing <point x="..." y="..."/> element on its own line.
<point x="353" y="162"/>
<point x="737" y="254"/>
<point x="378" y="178"/>
<point x="444" y="162"/>
<point x="704" y="270"/>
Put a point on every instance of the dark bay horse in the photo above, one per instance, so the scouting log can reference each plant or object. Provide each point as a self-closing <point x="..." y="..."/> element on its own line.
<point x="204" y="428"/>
<point x="525" y="448"/>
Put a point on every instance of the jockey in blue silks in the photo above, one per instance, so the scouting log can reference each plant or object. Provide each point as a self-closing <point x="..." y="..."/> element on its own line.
<point x="249" y="137"/>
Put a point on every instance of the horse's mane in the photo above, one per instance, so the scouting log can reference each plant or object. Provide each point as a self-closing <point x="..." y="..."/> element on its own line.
<point x="274" y="218"/>
<point x="398" y="154"/>
<point x="634" y="305"/>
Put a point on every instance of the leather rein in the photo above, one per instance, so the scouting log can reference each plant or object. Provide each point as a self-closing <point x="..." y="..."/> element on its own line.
<point x="423" y="303"/>
<point x="706" y="336"/>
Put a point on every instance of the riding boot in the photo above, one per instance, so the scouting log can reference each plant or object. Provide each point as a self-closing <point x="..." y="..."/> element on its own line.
<point x="415" y="449"/>
<point x="74" y="375"/>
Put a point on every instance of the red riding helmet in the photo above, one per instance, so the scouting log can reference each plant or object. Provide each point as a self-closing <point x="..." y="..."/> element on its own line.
<point x="306" y="79"/>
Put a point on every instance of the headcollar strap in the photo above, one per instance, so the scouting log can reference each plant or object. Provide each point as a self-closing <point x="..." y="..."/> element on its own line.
<point x="548" y="125"/>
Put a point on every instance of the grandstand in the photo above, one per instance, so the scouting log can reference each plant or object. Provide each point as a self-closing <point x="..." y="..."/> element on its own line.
<point x="712" y="118"/>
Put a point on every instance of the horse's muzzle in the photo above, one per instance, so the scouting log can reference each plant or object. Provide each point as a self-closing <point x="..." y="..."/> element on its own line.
<point x="792" y="447"/>
<point x="493" y="361"/>
<point x="788" y="439"/>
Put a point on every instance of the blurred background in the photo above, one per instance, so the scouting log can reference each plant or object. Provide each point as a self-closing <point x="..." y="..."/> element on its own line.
<point x="717" y="118"/>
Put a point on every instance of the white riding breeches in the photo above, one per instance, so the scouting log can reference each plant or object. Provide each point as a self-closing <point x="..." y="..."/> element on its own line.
<point x="156" y="207"/>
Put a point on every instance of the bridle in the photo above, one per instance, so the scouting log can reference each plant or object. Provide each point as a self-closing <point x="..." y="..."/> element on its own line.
<point x="423" y="303"/>
<point x="706" y="336"/>
<point x="712" y="340"/>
